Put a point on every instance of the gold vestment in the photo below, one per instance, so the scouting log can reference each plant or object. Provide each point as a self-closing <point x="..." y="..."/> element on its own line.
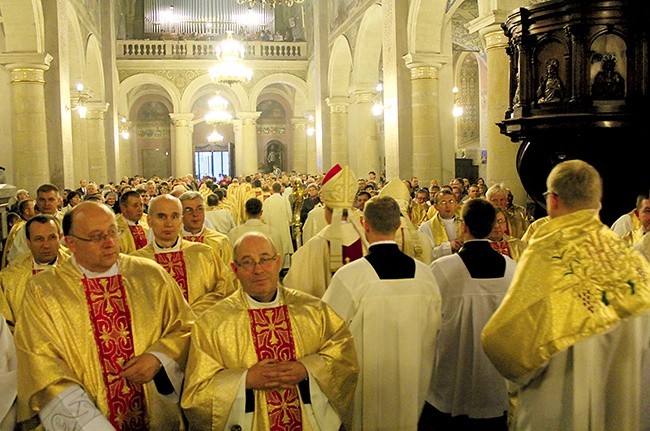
<point x="56" y="346"/>
<point x="222" y="350"/>
<point x="13" y="282"/>
<point x="575" y="279"/>
<point x="208" y="279"/>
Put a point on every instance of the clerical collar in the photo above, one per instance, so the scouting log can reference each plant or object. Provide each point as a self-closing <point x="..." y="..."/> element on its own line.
<point x="256" y="305"/>
<point x="114" y="270"/>
<point x="130" y="222"/>
<point x="188" y="233"/>
<point x="385" y="241"/>
<point x="174" y="247"/>
<point x="477" y="240"/>
<point x="40" y="266"/>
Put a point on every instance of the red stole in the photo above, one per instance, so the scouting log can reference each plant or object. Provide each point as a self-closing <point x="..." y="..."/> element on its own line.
<point x="196" y="238"/>
<point x="501" y="246"/>
<point x="273" y="339"/>
<point x="174" y="264"/>
<point x="352" y="252"/>
<point x="139" y="237"/>
<point x="111" y="320"/>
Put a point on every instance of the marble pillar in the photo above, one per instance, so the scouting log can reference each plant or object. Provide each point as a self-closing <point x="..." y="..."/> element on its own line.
<point x="96" y="139"/>
<point x="182" y="148"/>
<point x="365" y="141"/>
<point x="299" y="152"/>
<point x="501" y="153"/>
<point x="125" y="165"/>
<point x="28" y="123"/>
<point x="237" y="127"/>
<point x="79" y="148"/>
<point x="339" y="130"/>
<point x="397" y="90"/>
<point x="425" y="94"/>
<point x="249" y="142"/>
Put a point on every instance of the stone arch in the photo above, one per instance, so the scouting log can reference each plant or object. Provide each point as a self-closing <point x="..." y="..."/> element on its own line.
<point x="367" y="53"/>
<point x="147" y="79"/>
<point x="94" y="66"/>
<point x="24" y="26"/>
<point x="340" y="68"/>
<point x="77" y="51"/>
<point x="292" y="81"/>
<point x="425" y="21"/>
<point x="202" y="85"/>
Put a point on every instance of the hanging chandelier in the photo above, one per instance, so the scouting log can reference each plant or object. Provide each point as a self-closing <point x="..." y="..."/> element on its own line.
<point x="218" y="111"/>
<point x="272" y="3"/>
<point x="215" y="137"/>
<point x="230" y="70"/>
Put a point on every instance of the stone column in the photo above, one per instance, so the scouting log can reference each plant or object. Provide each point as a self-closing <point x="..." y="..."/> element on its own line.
<point x="182" y="148"/>
<point x="96" y="138"/>
<point x="425" y="94"/>
<point x="312" y="153"/>
<point x="299" y="145"/>
<point x="339" y="129"/>
<point x="79" y="148"/>
<point x="28" y="124"/>
<point x="501" y="153"/>
<point x="249" y="142"/>
<point x="397" y="90"/>
<point x="237" y="126"/>
<point x="366" y="142"/>
<point x="125" y="164"/>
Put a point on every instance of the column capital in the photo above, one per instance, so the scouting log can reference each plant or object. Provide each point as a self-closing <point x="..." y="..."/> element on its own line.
<point x="181" y="119"/>
<point x="26" y="60"/>
<point x="428" y="60"/>
<point x="99" y="106"/>
<point x="363" y="96"/>
<point x="249" y="117"/>
<point x="489" y="20"/>
<point x="338" y="104"/>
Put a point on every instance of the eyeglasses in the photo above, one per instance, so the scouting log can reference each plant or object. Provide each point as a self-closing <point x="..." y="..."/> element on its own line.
<point x="447" y="202"/>
<point x="264" y="262"/>
<point x="99" y="237"/>
<point x="545" y="194"/>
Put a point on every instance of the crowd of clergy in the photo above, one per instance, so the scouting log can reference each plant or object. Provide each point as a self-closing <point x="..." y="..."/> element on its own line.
<point x="324" y="302"/>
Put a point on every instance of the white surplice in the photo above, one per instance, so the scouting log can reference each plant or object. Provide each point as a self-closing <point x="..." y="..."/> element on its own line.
<point x="464" y="381"/>
<point x="394" y="324"/>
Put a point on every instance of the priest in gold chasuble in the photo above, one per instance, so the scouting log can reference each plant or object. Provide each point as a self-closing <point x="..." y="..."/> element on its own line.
<point x="202" y="276"/>
<point x="573" y="330"/>
<point x="268" y="357"/>
<point x="101" y="339"/>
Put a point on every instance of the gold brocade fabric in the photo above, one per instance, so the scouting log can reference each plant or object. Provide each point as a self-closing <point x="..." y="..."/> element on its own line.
<point x="222" y="350"/>
<point x="13" y="282"/>
<point x="208" y="279"/>
<point x="517" y="221"/>
<point x="127" y="242"/>
<point x="56" y="347"/>
<point x="439" y="232"/>
<point x="418" y="213"/>
<point x="218" y="242"/>
<point x="511" y="247"/>
<point x="575" y="279"/>
<point x="17" y="227"/>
